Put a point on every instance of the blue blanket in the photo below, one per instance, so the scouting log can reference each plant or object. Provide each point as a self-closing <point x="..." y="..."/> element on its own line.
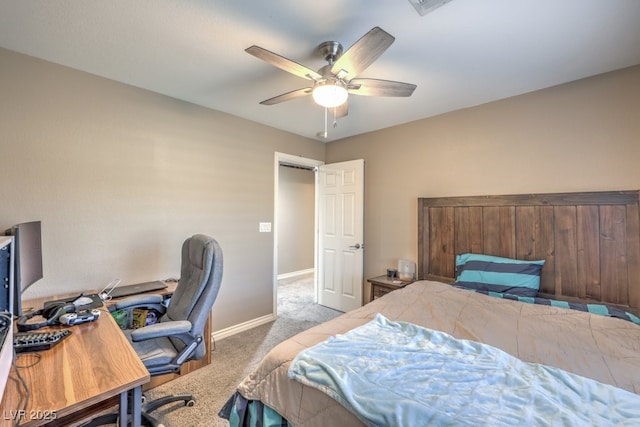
<point x="400" y="374"/>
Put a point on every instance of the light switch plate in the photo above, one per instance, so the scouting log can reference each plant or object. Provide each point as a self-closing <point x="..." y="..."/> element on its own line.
<point x="265" y="227"/>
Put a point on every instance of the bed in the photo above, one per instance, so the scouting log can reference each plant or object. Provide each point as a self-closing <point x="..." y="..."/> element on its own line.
<point x="579" y="324"/>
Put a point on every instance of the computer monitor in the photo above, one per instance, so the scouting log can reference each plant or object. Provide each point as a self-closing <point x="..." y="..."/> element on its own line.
<point x="27" y="259"/>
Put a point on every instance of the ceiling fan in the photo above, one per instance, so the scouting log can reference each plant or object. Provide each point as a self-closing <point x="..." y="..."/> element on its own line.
<point x="331" y="85"/>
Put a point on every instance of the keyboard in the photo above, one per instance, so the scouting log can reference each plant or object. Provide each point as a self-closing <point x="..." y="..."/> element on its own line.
<point x="24" y="342"/>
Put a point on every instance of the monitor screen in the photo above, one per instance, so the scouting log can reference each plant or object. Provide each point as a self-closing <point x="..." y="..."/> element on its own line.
<point x="27" y="259"/>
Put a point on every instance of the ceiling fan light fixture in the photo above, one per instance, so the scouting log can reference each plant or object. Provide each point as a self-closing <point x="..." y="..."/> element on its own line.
<point x="330" y="93"/>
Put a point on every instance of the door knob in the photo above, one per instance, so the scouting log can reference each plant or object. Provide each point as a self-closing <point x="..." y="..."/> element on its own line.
<point x="356" y="246"/>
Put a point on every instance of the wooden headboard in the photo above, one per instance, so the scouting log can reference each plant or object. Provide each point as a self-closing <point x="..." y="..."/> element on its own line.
<point x="590" y="241"/>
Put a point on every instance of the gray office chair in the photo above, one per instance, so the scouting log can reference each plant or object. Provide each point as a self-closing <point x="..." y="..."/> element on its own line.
<point x="178" y="335"/>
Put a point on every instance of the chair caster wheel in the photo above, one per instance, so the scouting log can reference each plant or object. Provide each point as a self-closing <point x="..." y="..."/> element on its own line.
<point x="190" y="403"/>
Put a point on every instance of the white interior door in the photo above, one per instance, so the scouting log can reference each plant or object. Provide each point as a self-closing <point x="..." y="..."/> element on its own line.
<point x="341" y="234"/>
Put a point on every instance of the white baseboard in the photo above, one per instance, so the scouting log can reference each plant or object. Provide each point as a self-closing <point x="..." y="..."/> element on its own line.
<point x="250" y="324"/>
<point x="245" y="326"/>
<point x="295" y="273"/>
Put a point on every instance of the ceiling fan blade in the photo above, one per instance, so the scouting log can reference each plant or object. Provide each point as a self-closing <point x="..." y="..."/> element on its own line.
<point x="376" y="87"/>
<point x="283" y="63"/>
<point x="288" y="96"/>
<point x="363" y="52"/>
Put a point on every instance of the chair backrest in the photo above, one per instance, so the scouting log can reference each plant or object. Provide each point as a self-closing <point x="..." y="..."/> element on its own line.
<point x="200" y="278"/>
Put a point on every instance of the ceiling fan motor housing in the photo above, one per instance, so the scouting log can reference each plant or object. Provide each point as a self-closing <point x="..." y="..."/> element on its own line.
<point x="330" y="51"/>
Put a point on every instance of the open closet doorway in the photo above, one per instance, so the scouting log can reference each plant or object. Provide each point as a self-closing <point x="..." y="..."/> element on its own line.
<point x="338" y="232"/>
<point x="294" y="227"/>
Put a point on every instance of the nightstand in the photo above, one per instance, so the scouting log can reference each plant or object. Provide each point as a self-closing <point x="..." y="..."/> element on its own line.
<point x="382" y="285"/>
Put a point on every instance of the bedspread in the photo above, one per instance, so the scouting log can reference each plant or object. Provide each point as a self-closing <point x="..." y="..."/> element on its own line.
<point x="597" y="347"/>
<point x="400" y="374"/>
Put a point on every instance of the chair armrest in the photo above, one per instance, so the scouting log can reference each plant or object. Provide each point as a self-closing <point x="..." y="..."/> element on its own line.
<point x="163" y="329"/>
<point x="139" y="300"/>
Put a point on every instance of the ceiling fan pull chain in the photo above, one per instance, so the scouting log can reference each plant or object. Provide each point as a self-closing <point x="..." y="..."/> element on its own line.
<point x="335" y="117"/>
<point x="324" y="134"/>
<point x="326" y="120"/>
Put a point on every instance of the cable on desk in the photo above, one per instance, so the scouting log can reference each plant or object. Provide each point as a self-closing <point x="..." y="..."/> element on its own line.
<point x="37" y="356"/>
<point x="27" y="392"/>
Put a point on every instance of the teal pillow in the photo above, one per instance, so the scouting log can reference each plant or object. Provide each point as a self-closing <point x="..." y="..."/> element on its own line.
<point x="497" y="274"/>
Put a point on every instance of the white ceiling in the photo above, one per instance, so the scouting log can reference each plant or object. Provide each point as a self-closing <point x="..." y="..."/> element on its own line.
<point x="464" y="53"/>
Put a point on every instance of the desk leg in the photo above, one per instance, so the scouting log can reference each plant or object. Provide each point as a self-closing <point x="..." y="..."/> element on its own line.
<point x="136" y="407"/>
<point x="124" y="402"/>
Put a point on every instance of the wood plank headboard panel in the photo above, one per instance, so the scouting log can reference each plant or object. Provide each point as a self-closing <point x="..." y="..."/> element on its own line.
<point x="590" y="241"/>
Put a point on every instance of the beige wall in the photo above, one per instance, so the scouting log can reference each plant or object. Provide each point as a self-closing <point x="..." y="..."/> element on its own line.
<point x="582" y="136"/>
<point x="296" y="219"/>
<point x="120" y="176"/>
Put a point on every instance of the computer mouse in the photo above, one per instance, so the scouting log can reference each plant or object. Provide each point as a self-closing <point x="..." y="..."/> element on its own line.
<point x="82" y="301"/>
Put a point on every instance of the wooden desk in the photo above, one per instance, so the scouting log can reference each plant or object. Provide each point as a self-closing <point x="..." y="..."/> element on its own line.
<point x="160" y="379"/>
<point x="93" y="364"/>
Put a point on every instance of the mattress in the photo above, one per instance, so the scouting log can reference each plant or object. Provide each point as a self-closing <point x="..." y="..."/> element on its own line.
<point x="594" y="346"/>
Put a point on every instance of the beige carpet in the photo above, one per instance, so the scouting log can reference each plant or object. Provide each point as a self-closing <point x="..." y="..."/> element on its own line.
<point x="234" y="357"/>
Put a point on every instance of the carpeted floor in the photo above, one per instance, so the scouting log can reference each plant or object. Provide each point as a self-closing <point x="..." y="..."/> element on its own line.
<point x="234" y="357"/>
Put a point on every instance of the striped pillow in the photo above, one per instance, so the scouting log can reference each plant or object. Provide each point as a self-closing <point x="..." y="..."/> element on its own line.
<point x="496" y="274"/>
